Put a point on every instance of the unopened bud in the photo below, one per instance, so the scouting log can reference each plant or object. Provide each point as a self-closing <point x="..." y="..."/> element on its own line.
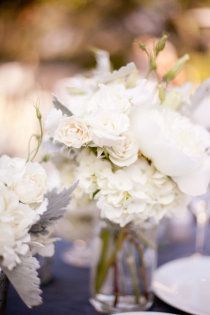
<point x="160" y="44"/>
<point x="172" y="73"/>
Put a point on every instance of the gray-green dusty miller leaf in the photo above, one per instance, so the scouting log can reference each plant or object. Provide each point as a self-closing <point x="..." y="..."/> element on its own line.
<point x="25" y="280"/>
<point x="57" y="203"/>
<point x="202" y="92"/>
<point x="58" y="105"/>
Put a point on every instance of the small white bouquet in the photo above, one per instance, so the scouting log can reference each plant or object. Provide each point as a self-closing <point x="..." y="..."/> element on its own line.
<point x="134" y="152"/>
<point x="27" y="212"/>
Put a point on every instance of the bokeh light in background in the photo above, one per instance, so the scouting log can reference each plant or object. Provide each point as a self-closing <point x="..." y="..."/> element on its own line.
<point x="43" y="41"/>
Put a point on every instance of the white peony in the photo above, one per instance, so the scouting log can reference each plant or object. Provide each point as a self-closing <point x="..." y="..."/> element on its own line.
<point x="201" y="114"/>
<point x="73" y="132"/>
<point x="176" y="146"/>
<point x="199" y="106"/>
<point x="125" y="152"/>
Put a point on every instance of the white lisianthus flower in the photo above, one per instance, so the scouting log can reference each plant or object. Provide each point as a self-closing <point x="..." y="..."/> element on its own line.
<point x="111" y="97"/>
<point x="74" y="92"/>
<point x="175" y="145"/>
<point x="15" y="221"/>
<point x="125" y="152"/>
<point x="33" y="184"/>
<point x="144" y="93"/>
<point x="73" y="132"/>
<point x="52" y="121"/>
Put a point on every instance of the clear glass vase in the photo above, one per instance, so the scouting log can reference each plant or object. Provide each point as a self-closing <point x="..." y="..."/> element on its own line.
<point x="124" y="260"/>
<point x="3" y="292"/>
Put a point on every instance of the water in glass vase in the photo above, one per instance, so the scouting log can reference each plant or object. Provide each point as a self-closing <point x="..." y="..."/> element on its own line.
<point x="123" y="264"/>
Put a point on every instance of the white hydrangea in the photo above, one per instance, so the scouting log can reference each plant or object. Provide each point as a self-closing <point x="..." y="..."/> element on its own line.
<point x="138" y="192"/>
<point x="91" y="171"/>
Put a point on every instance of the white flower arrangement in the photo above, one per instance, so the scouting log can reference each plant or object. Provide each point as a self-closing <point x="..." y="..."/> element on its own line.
<point x="27" y="211"/>
<point x="137" y="153"/>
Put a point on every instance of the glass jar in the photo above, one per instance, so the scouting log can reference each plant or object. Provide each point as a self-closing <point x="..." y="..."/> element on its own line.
<point x="124" y="259"/>
<point x="3" y="292"/>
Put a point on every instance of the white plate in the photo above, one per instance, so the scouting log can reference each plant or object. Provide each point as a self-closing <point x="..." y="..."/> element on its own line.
<point x="143" y="313"/>
<point x="185" y="284"/>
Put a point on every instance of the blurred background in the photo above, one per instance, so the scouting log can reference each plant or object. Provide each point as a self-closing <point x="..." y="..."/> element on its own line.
<point x="43" y="41"/>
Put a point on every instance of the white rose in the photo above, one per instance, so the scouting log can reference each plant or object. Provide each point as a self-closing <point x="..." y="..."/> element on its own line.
<point x="175" y="145"/>
<point x="124" y="153"/>
<point x="73" y="132"/>
<point x="107" y="128"/>
<point x="33" y="184"/>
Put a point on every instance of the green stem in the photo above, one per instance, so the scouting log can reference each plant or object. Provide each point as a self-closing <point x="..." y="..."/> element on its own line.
<point x="38" y="137"/>
<point x="116" y="288"/>
<point x="105" y="236"/>
<point x="134" y="276"/>
<point x="143" y="266"/>
<point x="107" y="264"/>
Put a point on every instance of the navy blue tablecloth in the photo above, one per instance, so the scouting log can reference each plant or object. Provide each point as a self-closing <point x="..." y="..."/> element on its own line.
<point x="68" y="294"/>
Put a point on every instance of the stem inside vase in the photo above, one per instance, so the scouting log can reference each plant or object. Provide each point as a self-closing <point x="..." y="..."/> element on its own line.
<point x="122" y="271"/>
